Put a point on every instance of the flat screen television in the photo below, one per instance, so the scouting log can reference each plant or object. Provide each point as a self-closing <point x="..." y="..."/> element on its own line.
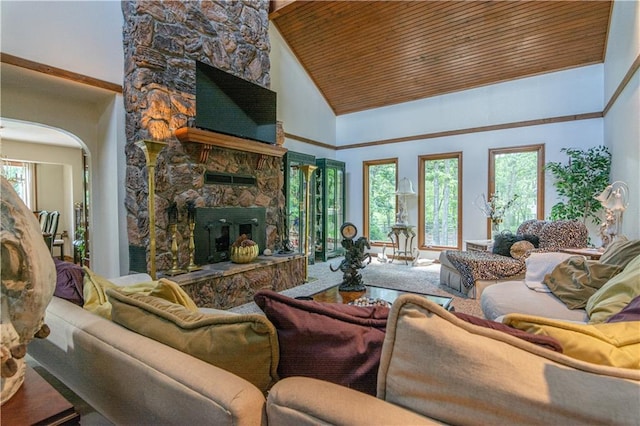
<point x="233" y="106"/>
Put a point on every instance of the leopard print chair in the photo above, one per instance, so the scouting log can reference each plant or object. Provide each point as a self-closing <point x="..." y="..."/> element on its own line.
<point x="468" y="272"/>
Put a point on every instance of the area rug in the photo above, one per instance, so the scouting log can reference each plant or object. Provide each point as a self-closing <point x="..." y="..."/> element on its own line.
<point x="424" y="278"/>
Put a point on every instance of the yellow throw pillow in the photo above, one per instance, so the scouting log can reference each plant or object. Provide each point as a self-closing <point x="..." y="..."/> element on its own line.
<point x="615" y="294"/>
<point x="246" y="345"/>
<point x="171" y="291"/>
<point x="96" y="300"/>
<point x="614" y="344"/>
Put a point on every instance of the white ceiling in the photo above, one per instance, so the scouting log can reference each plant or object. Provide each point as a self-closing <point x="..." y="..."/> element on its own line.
<point x="34" y="133"/>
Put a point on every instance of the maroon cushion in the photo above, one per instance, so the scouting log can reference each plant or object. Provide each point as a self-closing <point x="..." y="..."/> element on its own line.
<point x="540" y="340"/>
<point x="69" y="282"/>
<point x="327" y="341"/>
<point x="631" y="312"/>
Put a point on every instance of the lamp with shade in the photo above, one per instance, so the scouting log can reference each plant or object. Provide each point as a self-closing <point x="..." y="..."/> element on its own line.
<point x="405" y="189"/>
<point x="615" y="199"/>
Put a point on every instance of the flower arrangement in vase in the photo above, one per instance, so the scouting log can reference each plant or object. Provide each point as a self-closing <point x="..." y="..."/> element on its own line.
<point x="244" y="250"/>
<point x="494" y="209"/>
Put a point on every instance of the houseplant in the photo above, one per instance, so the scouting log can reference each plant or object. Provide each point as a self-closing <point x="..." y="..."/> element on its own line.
<point x="578" y="181"/>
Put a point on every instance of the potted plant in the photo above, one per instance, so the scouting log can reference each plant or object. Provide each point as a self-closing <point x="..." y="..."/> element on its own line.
<point x="79" y="246"/>
<point x="577" y="182"/>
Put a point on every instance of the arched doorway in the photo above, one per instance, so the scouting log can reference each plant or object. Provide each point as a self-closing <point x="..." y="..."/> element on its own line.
<point x="57" y="178"/>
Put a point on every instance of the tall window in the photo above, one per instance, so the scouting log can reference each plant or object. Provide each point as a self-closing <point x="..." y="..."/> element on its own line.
<point x="380" y="180"/>
<point x="518" y="174"/>
<point x="20" y="175"/>
<point x="439" y="202"/>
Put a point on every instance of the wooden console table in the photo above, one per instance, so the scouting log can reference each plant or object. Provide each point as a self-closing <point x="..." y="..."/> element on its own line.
<point x="37" y="402"/>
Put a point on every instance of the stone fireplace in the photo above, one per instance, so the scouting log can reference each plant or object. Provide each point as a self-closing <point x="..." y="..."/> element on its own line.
<point x="162" y="41"/>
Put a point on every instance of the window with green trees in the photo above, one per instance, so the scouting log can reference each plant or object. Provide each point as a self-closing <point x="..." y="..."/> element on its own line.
<point x="439" y="200"/>
<point x="19" y="174"/>
<point x="517" y="174"/>
<point x="380" y="180"/>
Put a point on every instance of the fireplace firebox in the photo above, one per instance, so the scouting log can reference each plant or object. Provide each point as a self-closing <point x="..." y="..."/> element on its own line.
<point x="217" y="228"/>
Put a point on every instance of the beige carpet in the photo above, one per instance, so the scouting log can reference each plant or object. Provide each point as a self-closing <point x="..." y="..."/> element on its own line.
<point x="424" y="278"/>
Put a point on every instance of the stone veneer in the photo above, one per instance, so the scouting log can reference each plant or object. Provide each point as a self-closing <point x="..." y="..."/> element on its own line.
<point x="228" y="284"/>
<point x="162" y="40"/>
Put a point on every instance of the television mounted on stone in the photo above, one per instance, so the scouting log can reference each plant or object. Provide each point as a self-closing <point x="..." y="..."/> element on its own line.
<point x="234" y="106"/>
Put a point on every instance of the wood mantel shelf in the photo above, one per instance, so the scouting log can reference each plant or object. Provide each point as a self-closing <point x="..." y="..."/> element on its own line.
<point x="210" y="139"/>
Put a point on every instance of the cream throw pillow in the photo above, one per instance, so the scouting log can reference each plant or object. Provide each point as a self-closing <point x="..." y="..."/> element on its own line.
<point x="246" y="345"/>
<point x="442" y="367"/>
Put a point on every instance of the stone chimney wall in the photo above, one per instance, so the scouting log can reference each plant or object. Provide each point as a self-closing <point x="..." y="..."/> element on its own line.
<point x="162" y="40"/>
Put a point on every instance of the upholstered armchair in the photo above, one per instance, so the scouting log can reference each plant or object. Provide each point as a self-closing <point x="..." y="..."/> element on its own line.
<point x="470" y="271"/>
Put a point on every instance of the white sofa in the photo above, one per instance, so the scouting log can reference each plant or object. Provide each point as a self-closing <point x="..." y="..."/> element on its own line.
<point x="528" y="295"/>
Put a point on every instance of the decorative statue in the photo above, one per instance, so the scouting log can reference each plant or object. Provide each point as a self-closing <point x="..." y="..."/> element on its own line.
<point x="28" y="282"/>
<point x="354" y="259"/>
<point x="607" y="228"/>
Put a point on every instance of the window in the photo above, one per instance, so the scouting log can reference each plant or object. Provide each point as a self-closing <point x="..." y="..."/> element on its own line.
<point x="518" y="171"/>
<point x="20" y="175"/>
<point x="439" y="203"/>
<point x="380" y="180"/>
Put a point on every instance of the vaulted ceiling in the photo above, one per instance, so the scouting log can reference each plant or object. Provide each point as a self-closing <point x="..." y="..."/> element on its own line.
<point x="369" y="54"/>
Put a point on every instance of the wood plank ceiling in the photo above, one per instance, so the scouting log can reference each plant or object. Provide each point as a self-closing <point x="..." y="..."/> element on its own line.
<point x="369" y="54"/>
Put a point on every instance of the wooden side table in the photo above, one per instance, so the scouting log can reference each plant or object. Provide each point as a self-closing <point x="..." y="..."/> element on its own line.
<point x="478" y="245"/>
<point x="37" y="402"/>
<point x="589" y="253"/>
<point x="409" y="235"/>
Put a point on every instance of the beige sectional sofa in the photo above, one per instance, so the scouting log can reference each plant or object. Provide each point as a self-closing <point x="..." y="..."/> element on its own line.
<point x="435" y="368"/>
<point x="131" y="379"/>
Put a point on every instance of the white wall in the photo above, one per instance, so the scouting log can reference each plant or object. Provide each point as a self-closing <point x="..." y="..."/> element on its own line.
<point x="80" y="36"/>
<point x="301" y="107"/>
<point x="475" y="163"/>
<point x="558" y="94"/>
<point x="574" y="91"/>
<point x="83" y="37"/>
<point x="81" y="120"/>
<point x="622" y="122"/>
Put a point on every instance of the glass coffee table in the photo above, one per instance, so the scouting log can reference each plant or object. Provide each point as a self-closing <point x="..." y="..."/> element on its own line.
<point x="333" y="295"/>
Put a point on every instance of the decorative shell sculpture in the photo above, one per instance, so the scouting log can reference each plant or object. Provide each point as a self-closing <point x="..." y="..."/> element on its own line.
<point x="28" y="282"/>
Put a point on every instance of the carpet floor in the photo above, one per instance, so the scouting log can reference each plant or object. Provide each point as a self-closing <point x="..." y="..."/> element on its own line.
<point x="424" y="278"/>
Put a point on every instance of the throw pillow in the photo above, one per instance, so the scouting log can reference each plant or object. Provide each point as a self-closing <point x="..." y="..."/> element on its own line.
<point x="533" y="239"/>
<point x="327" y="341"/>
<point x="576" y="279"/>
<point x="616" y="344"/>
<point x="621" y="252"/>
<point x="631" y="312"/>
<point x="519" y="249"/>
<point x="245" y="345"/>
<point x="615" y="294"/>
<point x="502" y="243"/>
<point x="69" y="282"/>
<point x="540" y="264"/>
<point x="96" y="301"/>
